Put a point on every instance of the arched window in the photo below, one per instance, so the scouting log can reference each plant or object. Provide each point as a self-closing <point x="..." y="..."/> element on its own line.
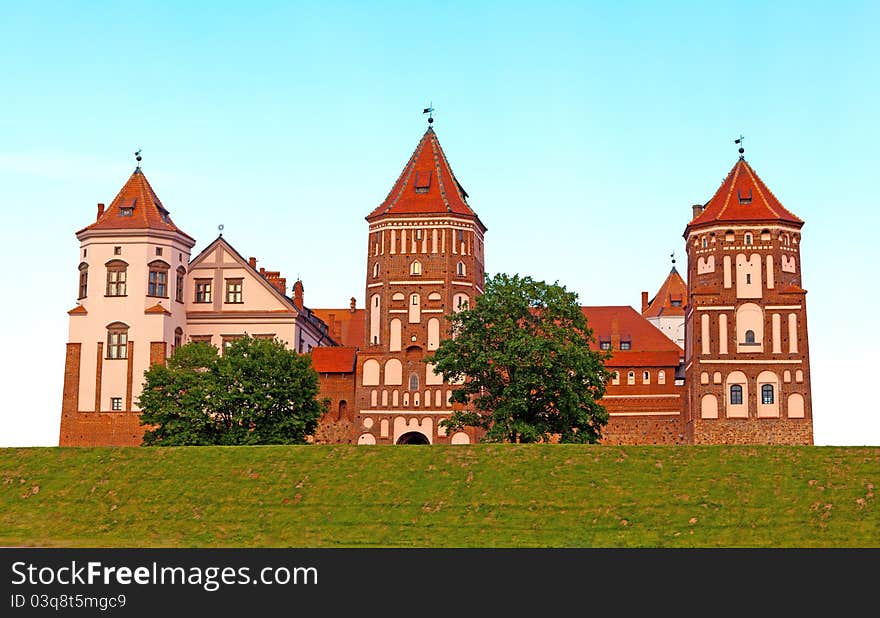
<point x="646" y="377"/>
<point x="343" y="408"/>
<point x="750" y="336"/>
<point x="661" y="377"/>
<point x="767" y="394"/>
<point x="615" y="377"/>
<point x="413" y="382"/>
<point x="748" y="238"/>
<point x="178" y="291"/>
<point x="415" y="268"/>
<point x="736" y="394"/>
<point x="376" y="269"/>
<point x="460" y="269"/>
<point x="631" y="377"/>
<point x="178" y="337"/>
<point x="117" y="272"/>
<point x="83" y="280"/>
<point x="117" y="340"/>
<point x="157" y="283"/>
<point x="705" y="242"/>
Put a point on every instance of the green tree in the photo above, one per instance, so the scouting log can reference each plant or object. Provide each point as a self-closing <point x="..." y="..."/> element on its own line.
<point x="523" y="354"/>
<point x="257" y="392"/>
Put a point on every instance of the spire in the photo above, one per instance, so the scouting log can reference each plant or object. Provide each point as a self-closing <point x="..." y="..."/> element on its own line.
<point x="742" y="197"/>
<point x="426" y="185"/>
<point x="136" y="206"/>
<point x="670" y="298"/>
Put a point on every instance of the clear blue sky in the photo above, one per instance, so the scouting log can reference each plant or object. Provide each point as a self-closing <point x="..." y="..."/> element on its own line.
<point x="583" y="132"/>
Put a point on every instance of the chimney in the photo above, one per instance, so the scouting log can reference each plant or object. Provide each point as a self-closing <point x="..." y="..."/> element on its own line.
<point x="262" y="271"/>
<point x="698" y="210"/>
<point x="298" y="293"/>
<point x="644" y="302"/>
<point x="333" y="326"/>
<point x="100" y="211"/>
<point x="253" y="262"/>
<point x="352" y="305"/>
<point x="615" y="333"/>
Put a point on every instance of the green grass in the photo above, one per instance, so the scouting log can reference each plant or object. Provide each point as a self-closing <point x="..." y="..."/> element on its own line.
<point x="441" y="496"/>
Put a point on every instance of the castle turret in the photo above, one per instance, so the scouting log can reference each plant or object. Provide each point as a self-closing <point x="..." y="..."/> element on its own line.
<point x="746" y="351"/>
<point x="666" y="309"/>
<point x="424" y="260"/>
<point x="129" y="314"/>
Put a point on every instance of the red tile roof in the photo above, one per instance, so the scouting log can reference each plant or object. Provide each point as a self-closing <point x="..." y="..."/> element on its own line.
<point x="345" y="326"/>
<point x="426" y="185"/>
<point x="147" y="211"/>
<point x="157" y="308"/>
<point x="673" y="289"/>
<point x="334" y="359"/>
<point x="649" y="346"/>
<point x="743" y="196"/>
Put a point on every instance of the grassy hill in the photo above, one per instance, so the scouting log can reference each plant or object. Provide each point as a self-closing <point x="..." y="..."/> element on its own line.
<point x="441" y="496"/>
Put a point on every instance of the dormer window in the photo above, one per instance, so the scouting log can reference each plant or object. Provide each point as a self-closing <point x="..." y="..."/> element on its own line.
<point x="127" y="209"/>
<point x="625" y="345"/>
<point x="744" y="199"/>
<point x="604" y="343"/>
<point x="422" y="182"/>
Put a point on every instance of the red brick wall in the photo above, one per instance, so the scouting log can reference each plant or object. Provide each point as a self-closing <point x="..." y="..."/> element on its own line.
<point x="90" y="428"/>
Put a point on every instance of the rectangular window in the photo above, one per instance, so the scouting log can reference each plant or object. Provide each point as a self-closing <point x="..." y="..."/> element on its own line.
<point x="116" y="404"/>
<point x="116" y="281"/>
<point x="233" y="291"/>
<point x="158" y="283"/>
<point x="227" y="340"/>
<point x="158" y="250"/>
<point x="117" y="250"/>
<point x="117" y="344"/>
<point x="200" y="338"/>
<point x="203" y="290"/>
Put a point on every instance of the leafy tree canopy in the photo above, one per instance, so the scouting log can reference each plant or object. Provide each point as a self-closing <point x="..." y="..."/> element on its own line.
<point x="257" y="392"/>
<point x="523" y="354"/>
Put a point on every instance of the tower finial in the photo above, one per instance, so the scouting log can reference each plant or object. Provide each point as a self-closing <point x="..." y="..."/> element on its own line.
<point x="672" y="257"/>
<point x="741" y="149"/>
<point x="430" y="111"/>
<point x="137" y="157"/>
<point x="220" y="230"/>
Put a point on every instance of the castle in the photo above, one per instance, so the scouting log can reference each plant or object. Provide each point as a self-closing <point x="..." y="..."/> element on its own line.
<point x="720" y="359"/>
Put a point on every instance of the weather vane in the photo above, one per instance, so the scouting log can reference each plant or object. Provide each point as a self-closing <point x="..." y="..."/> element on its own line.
<point x="741" y="149"/>
<point x="430" y="111"/>
<point x="672" y="255"/>
<point x="137" y="157"/>
<point x="220" y="229"/>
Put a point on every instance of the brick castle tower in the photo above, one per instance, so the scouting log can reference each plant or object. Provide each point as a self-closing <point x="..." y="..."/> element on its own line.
<point x="746" y="352"/>
<point x="129" y="314"/>
<point x="424" y="259"/>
